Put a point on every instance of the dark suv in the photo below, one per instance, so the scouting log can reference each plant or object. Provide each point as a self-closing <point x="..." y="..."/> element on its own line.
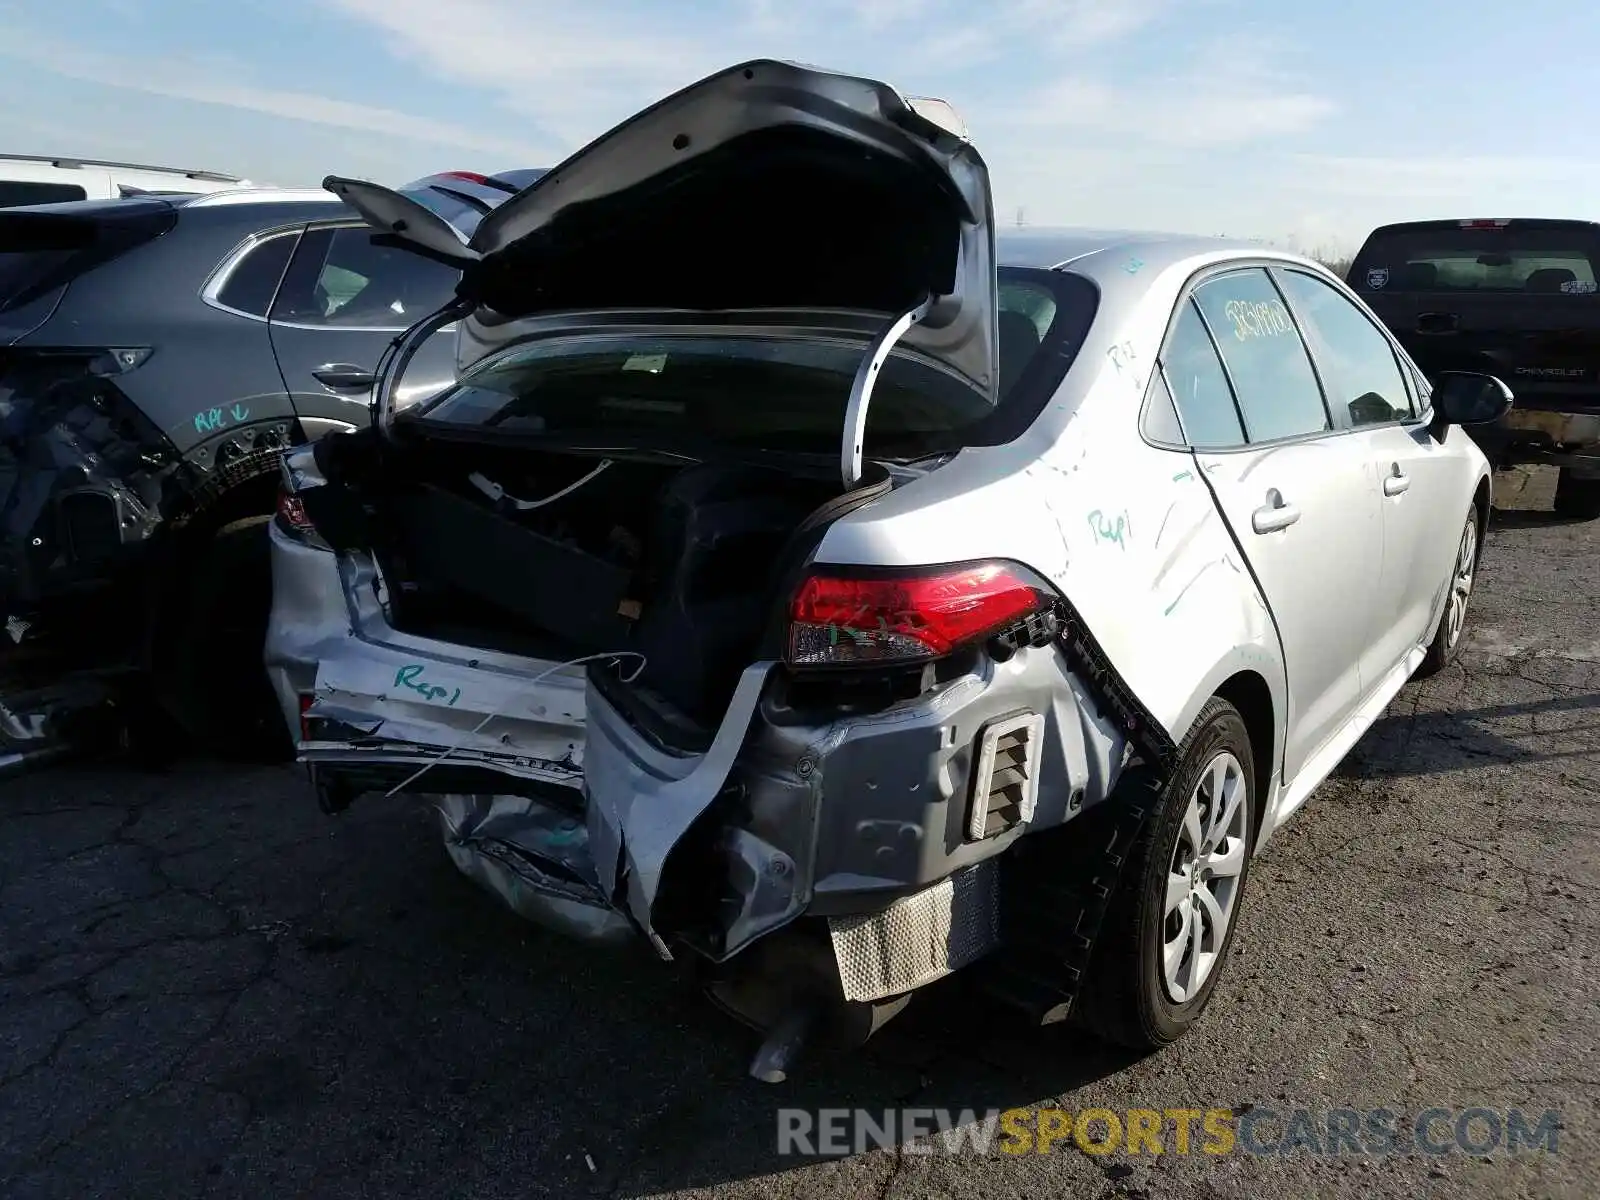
<point x="156" y="354"/>
<point x="1515" y="297"/>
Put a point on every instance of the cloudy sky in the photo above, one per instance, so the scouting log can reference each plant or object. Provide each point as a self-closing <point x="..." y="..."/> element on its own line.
<point x="1304" y="120"/>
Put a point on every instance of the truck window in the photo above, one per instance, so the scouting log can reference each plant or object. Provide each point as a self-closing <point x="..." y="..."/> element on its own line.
<point x="1504" y="259"/>
<point x="17" y="192"/>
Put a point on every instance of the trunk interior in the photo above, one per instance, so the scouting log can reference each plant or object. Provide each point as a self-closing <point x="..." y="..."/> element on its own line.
<point x="555" y="555"/>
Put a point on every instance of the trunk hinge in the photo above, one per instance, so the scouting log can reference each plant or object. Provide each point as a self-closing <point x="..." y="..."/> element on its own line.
<point x="401" y="351"/>
<point x="855" y="413"/>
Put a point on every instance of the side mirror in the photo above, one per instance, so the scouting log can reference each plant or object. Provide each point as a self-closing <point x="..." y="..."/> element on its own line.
<point x="1468" y="398"/>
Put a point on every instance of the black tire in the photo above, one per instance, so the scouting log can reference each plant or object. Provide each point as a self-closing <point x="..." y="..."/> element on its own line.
<point x="1124" y="998"/>
<point x="207" y="645"/>
<point x="1446" y="644"/>
<point x="1577" y="498"/>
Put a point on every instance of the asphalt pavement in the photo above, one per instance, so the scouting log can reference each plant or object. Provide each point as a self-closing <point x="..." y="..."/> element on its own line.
<point x="209" y="988"/>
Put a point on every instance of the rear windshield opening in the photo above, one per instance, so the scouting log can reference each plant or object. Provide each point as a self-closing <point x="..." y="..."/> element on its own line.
<point x="774" y="393"/>
<point x="42" y="249"/>
<point x="20" y="274"/>
<point x="1502" y="261"/>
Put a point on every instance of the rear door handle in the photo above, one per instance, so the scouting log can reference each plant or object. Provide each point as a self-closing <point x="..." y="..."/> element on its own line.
<point x="1396" y="482"/>
<point x="1274" y="515"/>
<point x="344" y="377"/>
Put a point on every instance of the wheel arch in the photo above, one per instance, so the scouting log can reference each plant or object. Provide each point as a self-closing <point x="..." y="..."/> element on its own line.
<point x="1248" y="692"/>
<point x="1258" y="691"/>
<point x="246" y="486"/>
<point x="1482" y="498"/>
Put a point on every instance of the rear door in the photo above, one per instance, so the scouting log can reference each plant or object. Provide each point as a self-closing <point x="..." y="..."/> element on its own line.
<point x="1420" y="486"/>
<point x="1300" y="497"/>
<point x="1516" y="298"/>
<point x="343" y="300"/>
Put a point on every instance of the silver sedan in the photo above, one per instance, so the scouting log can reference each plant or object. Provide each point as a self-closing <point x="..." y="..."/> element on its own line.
<point x="817" y="587"/>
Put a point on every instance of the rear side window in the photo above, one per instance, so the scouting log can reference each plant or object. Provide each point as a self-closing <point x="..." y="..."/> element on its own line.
<point x="250" y="285"/>
<point x="1495" y="259"/>
<point x="1261" y="347"/>
<point x="340" y="279"/>
<point x="1360" y="373"/>
<point x="1199" y="387"/>
<point x="17" y="192"/>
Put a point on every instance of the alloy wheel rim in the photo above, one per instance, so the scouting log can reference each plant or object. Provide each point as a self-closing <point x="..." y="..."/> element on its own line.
<point x="1203" y="878"/>
<point x="1461" y="583"/>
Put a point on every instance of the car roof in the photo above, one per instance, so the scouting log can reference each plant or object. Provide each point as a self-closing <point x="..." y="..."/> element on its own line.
<point x="1052" y="248"/>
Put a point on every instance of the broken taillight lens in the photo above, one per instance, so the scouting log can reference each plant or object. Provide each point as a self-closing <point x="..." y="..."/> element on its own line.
<point x="292" y="512"/>
<point x="292" y="519"/>
<point x="840" y="620"/>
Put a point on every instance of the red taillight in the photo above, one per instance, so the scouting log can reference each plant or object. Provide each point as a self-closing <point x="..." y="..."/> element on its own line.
<point x="292" y="512"/>
<point x="469" y="176"/>
<point x="1485" y="223"/>
<point x="837" y="620"/>
<point x="306" y="701"/>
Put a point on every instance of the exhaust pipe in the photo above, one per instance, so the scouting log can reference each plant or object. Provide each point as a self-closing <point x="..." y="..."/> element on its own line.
<point x="787" y="988"/>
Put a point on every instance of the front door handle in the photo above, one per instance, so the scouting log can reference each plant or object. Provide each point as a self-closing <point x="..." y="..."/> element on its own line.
<point x="1274" y="515"/>
<point x="344" y="377"/>
<point x="1396" y="482"/>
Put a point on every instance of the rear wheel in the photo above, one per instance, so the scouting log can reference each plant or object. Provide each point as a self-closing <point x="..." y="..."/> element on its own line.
<point x="208" y="644"/>
<point x="1575" y="497"/>
<point x="1447" y="638"/>
<point x="1166" y="936"/>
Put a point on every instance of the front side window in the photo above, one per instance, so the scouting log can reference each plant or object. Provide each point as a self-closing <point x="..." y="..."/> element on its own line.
<point x="1360" y="373"/>
<point x="341" y="279"/>
<point x="1266" y="359"/>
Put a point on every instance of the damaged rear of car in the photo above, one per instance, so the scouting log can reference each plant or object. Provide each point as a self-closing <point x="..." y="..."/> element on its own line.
<point x="713" y="603"/>
<point x="84" y="471"/>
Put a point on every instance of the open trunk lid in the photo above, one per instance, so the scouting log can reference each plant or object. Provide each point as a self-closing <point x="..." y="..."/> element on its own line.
<point x="765" y="187"/>
<point x="1519" y="299"/>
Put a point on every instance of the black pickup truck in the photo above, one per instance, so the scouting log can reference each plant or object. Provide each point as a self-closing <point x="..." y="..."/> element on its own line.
<point x="1517" y="298"/>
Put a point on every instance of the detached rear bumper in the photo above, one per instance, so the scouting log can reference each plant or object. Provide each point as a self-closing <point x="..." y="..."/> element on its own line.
<point x="555" y="802"/>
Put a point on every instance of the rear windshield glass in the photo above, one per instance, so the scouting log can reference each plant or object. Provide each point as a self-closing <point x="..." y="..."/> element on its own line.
<point x="460" y="212"/>
<point x="41" y="250"/>
<point x="1505" y="260"/>
<point x="772" y="393"/>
